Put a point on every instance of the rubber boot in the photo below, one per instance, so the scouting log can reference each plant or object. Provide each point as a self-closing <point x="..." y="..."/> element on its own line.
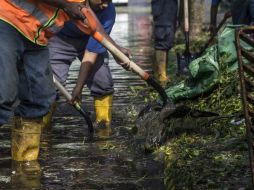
<point x="25" y="139"/>
<point x="47" y="119"/>
<point x="103" y="110"/>
<point x="160" y="67"/>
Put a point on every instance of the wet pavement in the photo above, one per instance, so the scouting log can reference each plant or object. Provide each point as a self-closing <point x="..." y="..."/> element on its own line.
<point x="111" y="162"/>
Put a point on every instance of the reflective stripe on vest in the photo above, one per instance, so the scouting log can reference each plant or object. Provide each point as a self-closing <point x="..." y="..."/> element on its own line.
<point x="32" y="9"/>
<point x="45" y="21"/>
<point x="36" y="21"/>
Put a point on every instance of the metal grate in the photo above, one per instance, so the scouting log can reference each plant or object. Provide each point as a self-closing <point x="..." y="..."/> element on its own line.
<point x="246" y="73"/>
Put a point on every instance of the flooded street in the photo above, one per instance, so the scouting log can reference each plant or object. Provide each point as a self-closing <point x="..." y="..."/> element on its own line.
<point x="111" y="162"/>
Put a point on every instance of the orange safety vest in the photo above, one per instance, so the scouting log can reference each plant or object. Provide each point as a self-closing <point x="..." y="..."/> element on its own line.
<point x="35" y="20"/>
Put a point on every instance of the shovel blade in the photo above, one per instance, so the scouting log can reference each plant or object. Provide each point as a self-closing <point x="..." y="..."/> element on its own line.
<point x="183" y="61"/>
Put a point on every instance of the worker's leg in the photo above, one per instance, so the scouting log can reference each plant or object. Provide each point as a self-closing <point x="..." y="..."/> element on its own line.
<point x="164" y="16"/>
<point x="36" y="95"/>
<point x="11" y="48"/>
<point x="240" y="11"/>
<point x="101" y="86"/>
<point x="36" y="88"/>
<point x="62" y="52"/>
<point x="160" y="66"/>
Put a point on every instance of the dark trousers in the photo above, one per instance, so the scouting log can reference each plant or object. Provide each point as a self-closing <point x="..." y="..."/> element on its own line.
<point x="25" y="74"/>
<point x="164" y="17"/>
<point x="64" y="50"/>
<point x="242" y="11"/>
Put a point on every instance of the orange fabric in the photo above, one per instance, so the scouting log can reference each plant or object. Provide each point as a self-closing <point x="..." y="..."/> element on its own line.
<point x="27" y="24"/>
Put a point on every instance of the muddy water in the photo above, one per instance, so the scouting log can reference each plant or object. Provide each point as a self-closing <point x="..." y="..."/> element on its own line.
<point x="110" y="162"/>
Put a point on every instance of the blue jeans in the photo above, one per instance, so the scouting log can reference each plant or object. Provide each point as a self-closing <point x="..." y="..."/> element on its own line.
<point x="25" y="75"/>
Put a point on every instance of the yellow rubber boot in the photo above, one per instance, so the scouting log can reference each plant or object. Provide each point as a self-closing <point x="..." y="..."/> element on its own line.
<point x="47" y="119"/>
<point x="160" y="67"/>
<point x="103" y="110"/>
<point x="25" y="139"/>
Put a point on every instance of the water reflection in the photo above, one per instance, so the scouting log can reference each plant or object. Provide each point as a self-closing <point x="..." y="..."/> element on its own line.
<point x="104" y="133"/>
<point x="26" y="175"/>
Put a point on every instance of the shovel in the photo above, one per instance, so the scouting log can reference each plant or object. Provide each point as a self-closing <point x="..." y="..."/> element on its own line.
<point x="84" y="113"/>
<point x="91" y="29"/>
<point x="184" y="59"/>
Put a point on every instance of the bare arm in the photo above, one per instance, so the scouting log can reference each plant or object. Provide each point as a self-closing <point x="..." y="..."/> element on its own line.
<point x="56" y="3"/>
<point x="87" y="63"/>
<point x="71" y="8"/>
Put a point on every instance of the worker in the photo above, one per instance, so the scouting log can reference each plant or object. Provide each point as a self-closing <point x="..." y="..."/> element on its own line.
<point x="164" y="21"/>
<point x="71" y="43"/>
<point x="242" y="12"/>
<point x="26" y="26"/>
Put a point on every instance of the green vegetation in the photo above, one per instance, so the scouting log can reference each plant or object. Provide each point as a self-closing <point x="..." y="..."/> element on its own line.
<point x="205" y="153"/>
<point x="209" y="153"/>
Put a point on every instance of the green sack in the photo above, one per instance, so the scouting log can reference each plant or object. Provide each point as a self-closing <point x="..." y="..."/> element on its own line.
<point x="205" y="70"/>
